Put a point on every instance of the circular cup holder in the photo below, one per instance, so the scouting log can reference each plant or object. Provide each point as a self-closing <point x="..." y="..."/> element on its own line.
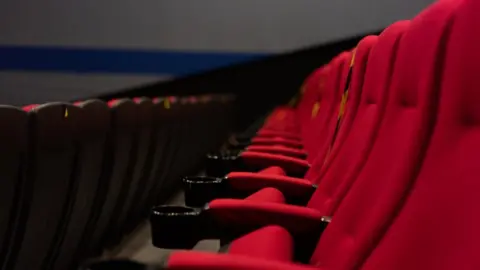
<point x="221" y="163"/>
<point x="175" y="227"/>
<point x="200" y="190"/>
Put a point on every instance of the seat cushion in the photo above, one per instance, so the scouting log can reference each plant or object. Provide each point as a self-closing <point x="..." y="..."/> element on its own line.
<point x="274" y="170"/>
<point x="267" y="195"/>
<point x="270" y="242"/>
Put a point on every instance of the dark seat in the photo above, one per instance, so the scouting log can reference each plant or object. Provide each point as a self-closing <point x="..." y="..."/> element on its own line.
<point x="175" y="125"/>
<point x="117" y="171"/>
<point x="93" y="131"/>
<point x="141" y="160"/>
<point x="161" y="149"/>
<point x="13" y="155"/>
<point x="53" y="178"/>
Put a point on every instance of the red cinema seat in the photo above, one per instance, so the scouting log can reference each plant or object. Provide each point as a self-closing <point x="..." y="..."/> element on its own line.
<point x="317" y="130"/>
<point x="287" y="122"/>
<point x="323" y="110"/>
<point x="394" y="215"/>
<point x="362" y="116"/>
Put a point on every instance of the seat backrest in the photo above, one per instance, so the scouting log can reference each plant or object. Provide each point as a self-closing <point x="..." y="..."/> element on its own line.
<point x="13" y="155"/>
<point x="93" y="131"/>
<point x="330" y="97"/>
<point x="183" y="141"/>
<point x="326" y="136"/>
<point x="340" y="126"/>
<point x="171" y="129"/>
<point x="393" y="164"/>
<point x="335" y="180"/>
<point x="354" y="89"/>
<point x="309" y="88"/>
<point x="142" y="162"/>
<point x="314" y="91"/>
<point x="117" y="169"/>
<point x="160" y="155"/>
<point x="437" y="228"/>
<point x="53" y="177"/>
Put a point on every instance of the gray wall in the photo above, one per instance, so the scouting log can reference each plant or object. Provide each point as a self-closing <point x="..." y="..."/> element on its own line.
<point x="268" y="26"/>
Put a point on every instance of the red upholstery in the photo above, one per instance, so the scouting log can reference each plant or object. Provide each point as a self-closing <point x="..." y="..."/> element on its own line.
<point x="264" y="160"/>
<point x="267" y="195"/>
<point x="273" y="133"/>
<point x="282" y="119"/>
<point x="355" y="154"/>
<point x="274" y="170"/>
<point x="291" y="186"/>
<point x="389" y="173"/>
<point x="314" y="88"/>
<point x="277" y="140"/>
<point x="315" y="134"/>
<point x="423" y="236"/>
<point x="254" y="214"/>
<point x="414" y="204"/>
<point x="195" y="260"/>
<point x="112" y="102"/>
<point x="323" y="86"/>
<point x="285" y="121"/>
<point x="342" y="171"/>
<point x="355" y="90"/>
<point x="278" y="149"/>
<point x="270" y="242"/>
<point x="421" y="168"/>
<point x="323" y="136"/>
<point x="321" y="124"/>
<point x="29" y="107"/>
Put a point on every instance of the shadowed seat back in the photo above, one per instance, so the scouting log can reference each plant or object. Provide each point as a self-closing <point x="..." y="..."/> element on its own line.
<point x="93" y="130"/>
<point x="117" y="170"/>
<point x="160" y="155"/>
<point x="142" y="160"/>
<point x="53" y="177"/>
<point x="13" y="153"/>
<point x="173" y="127"/>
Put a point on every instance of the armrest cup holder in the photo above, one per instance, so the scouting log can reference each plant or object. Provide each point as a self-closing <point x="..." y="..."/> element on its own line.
<point x="200" y="190"/>
<point x="176" y="227"/>
<point x="221" y="163"/>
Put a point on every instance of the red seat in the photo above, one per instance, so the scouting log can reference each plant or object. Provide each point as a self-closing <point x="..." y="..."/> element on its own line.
<point x="261" y="241"/>
<point x="421" y="237"/>
<point x="369" y="113"/>
<point x="287" y="122"/>
<point x="303" y="117"/>
<point x="316" y="132"/>
<point x="413" y="173"/>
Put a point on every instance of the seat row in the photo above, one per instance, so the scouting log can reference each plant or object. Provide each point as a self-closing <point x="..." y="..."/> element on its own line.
<point x="374" y="169"/>
<point x="76" y="177"/>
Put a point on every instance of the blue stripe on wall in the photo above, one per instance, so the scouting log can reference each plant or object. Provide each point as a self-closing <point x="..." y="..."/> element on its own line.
<point x="80" y="60"/>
